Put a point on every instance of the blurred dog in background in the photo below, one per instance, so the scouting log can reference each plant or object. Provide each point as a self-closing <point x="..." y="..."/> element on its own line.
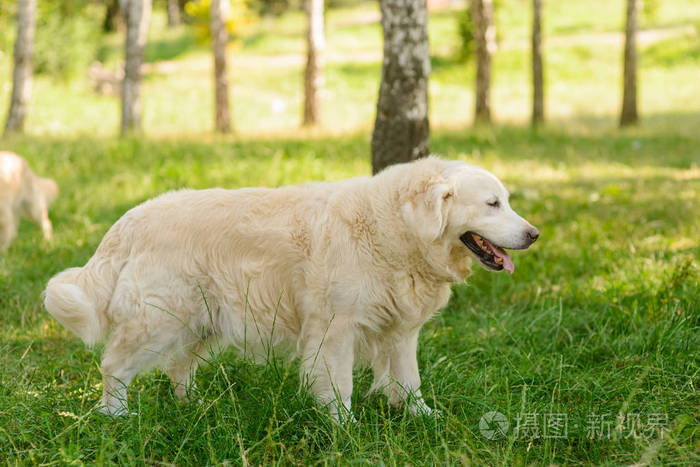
<point x="22" y="194"/>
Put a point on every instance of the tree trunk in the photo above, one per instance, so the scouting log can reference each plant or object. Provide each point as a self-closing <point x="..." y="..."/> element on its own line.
<point x="219" y="39"/>
<point x="401" y="129"/>
<point x="485" y="44"/>
<point x="313" y="75"/>
<point x="181" y="4"/>
<point x="22" y="72"/>
<point x="537" y="74"/>
<point x="138" y="13"/>
<point x="629" y="114"/>
<point x="173" y="13"/>
<point x="111" y="21"/>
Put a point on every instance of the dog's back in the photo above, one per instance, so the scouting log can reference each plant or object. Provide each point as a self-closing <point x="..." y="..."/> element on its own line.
<point x="190" y="236"/>
<point x="13" y="178"/>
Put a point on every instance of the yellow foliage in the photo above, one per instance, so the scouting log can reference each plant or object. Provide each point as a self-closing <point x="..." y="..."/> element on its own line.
<point x="236" y="15"/>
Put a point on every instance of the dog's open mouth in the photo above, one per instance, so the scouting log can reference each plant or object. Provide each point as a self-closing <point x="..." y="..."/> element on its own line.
<point x="490" y="255"/>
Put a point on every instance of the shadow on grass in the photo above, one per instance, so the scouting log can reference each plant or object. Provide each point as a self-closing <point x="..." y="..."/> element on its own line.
<point x="663" y="140"/>
<point x="170" y="48"/>
<point x="442" y="62"/>
<point x="672" y="52"/>
<point x="258" y="39"/>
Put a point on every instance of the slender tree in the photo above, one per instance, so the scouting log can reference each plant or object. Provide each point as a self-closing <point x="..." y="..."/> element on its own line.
<point x="537" y="74"/>
<point x="219" y="39"/>
<point x="22" y="72"/>
<point x="485" y="44"/>
<point x="313" y="75"/>
<point x="401" y="129"/>
<point x="138" y="14"/>
<point x="173" y="13"/>
<point x="629" y="114"/>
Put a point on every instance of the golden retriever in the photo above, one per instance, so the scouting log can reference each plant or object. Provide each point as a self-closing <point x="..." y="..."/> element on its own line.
<point x="22" y="194"/>
<point x="339" y="273"/>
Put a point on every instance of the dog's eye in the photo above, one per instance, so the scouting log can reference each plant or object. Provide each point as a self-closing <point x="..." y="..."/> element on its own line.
<point x="494" y="204"/>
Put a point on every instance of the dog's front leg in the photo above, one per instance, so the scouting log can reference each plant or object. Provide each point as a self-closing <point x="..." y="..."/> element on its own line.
<point x="404" y="380"/>
<point x="327" y="367"/>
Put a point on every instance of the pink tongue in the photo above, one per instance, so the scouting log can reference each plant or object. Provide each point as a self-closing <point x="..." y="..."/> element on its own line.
<point x="507" y="263"/>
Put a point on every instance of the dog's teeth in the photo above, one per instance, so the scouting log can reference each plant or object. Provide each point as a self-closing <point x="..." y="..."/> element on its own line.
<point x="499" y="260"/>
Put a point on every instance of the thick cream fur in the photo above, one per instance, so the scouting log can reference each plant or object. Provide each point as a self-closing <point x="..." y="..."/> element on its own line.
<point x="338" y="273"/>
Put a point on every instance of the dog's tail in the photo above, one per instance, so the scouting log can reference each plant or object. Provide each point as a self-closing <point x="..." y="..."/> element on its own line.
<point x="78" y="297"/>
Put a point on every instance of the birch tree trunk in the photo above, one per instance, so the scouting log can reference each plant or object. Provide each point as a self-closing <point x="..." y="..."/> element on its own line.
<point x="485" y="44"/>
<point x="22" y="72"/>
<point x="138" y="14"/>
<point x="313" y="75"/>
<point x="219" y="39"/>
<point x="401" y="129"/>
<point x="629" y="114"/>
<point x="537" y="72"/>
<point x="173" y="13"/>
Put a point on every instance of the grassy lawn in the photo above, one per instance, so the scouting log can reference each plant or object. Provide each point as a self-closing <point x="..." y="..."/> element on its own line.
<point x="601" y="317"/>
<point x="600" y="322"/>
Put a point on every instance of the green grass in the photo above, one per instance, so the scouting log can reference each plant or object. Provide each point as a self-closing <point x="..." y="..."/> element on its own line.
<point x="601" y="317"/>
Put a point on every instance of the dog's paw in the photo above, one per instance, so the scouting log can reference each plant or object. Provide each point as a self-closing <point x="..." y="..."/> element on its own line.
<point x="420" y="409"/>
<point x="118" y="411"/>
<point x="192" y="400"/>
<point x="344" y="417"/>
<point x="341" y="412"/>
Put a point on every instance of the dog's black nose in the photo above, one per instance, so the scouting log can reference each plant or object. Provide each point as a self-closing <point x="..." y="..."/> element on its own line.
<point x="533" y="234"/>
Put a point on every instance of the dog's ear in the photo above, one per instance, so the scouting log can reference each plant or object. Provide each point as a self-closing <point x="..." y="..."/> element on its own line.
<point x="425" y="210"/>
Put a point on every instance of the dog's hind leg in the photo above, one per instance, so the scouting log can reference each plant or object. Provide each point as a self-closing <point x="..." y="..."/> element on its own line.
<point x="122" y="360"/>
<point x="116" y="378"/>
<point x="8" y="227"/>
<point x="182" y="370"/>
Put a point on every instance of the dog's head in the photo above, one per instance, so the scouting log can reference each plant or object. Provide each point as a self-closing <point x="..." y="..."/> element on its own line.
<point x="464" y="209"/>
<point x="48" y="188"/>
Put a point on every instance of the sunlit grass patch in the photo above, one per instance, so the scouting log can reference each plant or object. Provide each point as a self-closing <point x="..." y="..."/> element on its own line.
<point x="600" y="316"/>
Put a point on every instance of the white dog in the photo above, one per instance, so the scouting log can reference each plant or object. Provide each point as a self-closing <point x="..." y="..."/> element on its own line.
<point x="22" y="194"/>
<point x="340" y="272"/>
